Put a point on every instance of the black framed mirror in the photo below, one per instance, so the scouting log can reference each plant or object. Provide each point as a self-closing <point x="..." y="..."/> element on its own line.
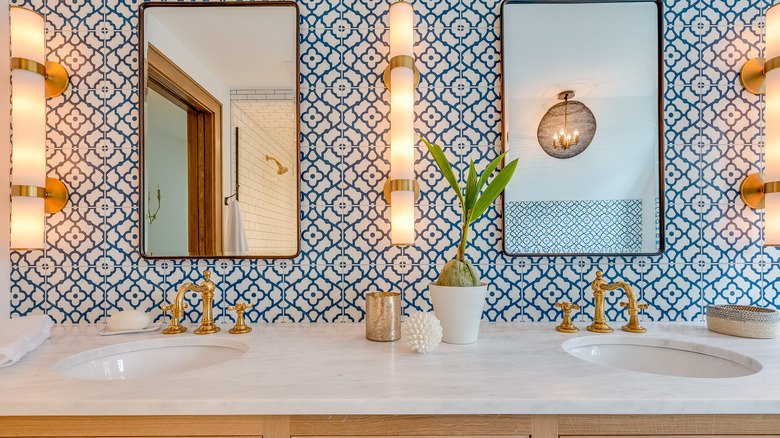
<point x="582" y="111"/>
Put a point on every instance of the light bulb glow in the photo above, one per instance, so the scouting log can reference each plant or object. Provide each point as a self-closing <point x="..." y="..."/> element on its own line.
<point x="563" y="139"/>
<point x="402" y="124"/>
<point x="772" y="130"/>
<point x="28" y="126"/>
<point x="402" y="217"/>
<point x="27" y="222"/>
<point x="27" y="35"/>
<point x="401" y="15"/>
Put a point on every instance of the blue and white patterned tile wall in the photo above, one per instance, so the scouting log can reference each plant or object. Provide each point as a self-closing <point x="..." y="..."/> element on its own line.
<point x="713" y="138"/>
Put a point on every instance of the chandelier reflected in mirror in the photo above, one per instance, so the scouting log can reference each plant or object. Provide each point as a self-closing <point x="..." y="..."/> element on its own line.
<point x="567" y="128"/>
<point x="563" y="139"/>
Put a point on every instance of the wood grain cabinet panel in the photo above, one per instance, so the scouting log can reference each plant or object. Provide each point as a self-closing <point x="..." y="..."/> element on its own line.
<point x="396" y="426"/>
<point x="172" y="426"/>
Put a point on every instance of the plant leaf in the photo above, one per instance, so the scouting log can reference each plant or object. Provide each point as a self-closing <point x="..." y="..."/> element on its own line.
<point x="489" y="170"/>
<point x="471" y="190"/>
<point x="493" y="190"/>
<point x="444" y="167"/>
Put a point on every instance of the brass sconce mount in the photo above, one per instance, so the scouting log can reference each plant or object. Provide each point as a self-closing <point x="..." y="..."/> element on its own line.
<point x="55" y="195"/>
<point x="401" y="184"/>
<point x="752" y="75"/>
<point x="151" y="217"/>
<point x="754" y="188"/>
<point x="401" y="61"/>
<point x="56" y="77"/>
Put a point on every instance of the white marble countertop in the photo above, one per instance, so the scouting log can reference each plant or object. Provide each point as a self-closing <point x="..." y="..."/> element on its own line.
<point x="332" y="369"/>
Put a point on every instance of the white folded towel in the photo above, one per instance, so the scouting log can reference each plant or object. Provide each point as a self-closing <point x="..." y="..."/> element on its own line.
<point x="237" y="243"/>
<point x="19" y="336"/>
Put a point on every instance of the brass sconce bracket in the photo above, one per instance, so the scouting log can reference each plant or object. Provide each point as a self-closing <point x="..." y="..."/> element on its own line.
<point x="401" y="61"/>
<point x="401" y="184"/>
<point x="57" y="79"/>
<point x="55" y="195"/>
<point x="151" y="217"/>
<point x="28" y="191"/>
<point x="752" y="75"/>
<point x="754" y="188"/>
<point x="56" y="76"/>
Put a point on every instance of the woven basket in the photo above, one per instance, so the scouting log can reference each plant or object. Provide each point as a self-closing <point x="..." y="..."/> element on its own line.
<point x="744" y="321"/>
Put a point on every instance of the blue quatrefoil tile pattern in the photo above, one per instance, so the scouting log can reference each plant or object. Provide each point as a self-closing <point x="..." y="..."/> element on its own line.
<point x="713" y="138"/>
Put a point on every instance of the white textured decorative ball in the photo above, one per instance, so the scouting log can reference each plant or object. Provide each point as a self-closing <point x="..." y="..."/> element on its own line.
<point x="422" y="332"/>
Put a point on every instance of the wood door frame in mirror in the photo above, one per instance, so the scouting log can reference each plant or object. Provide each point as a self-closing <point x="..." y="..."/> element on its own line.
<point x="204" y="140"/>
<point x="660" y="174"/>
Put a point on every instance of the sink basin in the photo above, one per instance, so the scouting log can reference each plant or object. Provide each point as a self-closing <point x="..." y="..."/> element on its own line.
<point x="662" y="356"/>
<point x="148" y="358"/>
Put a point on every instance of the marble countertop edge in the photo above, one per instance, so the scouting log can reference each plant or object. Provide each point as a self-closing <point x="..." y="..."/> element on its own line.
<point x="420" y="407"/>
<point x="331" y="369"/>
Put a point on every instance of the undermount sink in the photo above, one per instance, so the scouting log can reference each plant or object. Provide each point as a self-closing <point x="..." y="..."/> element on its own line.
<point x="149" y="358"/>
<point x="662" y="356"/>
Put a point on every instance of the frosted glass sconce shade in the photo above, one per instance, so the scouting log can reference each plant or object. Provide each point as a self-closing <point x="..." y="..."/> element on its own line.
<point x="32" y="81"/>
<point x="401" y="78"/>
<point x="761" y="76"/>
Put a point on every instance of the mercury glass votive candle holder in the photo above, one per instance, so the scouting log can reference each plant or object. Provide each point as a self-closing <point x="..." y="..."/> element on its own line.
<point x="383" y="316"/>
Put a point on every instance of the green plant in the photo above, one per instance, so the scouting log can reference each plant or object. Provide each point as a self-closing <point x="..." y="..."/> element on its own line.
<point x="460" y="271"/>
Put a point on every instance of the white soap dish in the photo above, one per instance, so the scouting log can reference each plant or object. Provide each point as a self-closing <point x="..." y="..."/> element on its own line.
<point x="743" y="321"/>
<point x="151" y="328"/>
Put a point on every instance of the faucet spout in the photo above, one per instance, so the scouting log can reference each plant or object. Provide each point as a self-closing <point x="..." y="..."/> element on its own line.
<point x="600" y="287"/>
<point x="178" y="302"/>
<point x="632" y="303"/>
<point x="177" y="311"/>
<point x="177" y="307"/>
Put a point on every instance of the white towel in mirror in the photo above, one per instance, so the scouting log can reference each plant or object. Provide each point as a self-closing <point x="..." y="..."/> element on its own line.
<point x="236" y="243"/>
<point x="20" y="336"/>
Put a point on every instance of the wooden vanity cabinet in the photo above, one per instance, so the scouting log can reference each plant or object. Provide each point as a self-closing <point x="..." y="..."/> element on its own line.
<point x="398" y="426"/>
<point x="132" y="426"/>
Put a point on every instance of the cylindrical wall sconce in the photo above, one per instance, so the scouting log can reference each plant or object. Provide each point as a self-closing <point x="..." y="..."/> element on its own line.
<point x="33" y="80"/>
<point x="772" y="128"/>
<point x="402" y="189"/>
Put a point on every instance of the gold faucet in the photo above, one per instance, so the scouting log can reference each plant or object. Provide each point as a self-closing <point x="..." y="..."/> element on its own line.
<point x="177" y="307"/>
<point x="241" y="326"/>
<point x="567" y="326"/>
<point x="175" y="326"/>
<point x="599" y="325"/>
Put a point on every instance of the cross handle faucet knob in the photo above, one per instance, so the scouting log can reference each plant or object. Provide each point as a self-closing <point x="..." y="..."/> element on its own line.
<point x="567" y="326"/>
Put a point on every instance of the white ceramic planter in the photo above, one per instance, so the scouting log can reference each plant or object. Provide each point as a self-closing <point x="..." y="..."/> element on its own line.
<point x="459" y="310"/>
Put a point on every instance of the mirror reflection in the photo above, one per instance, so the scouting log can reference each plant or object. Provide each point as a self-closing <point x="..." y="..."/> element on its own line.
<point x="581" y="85"/>
<point x="220" y="167"/>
